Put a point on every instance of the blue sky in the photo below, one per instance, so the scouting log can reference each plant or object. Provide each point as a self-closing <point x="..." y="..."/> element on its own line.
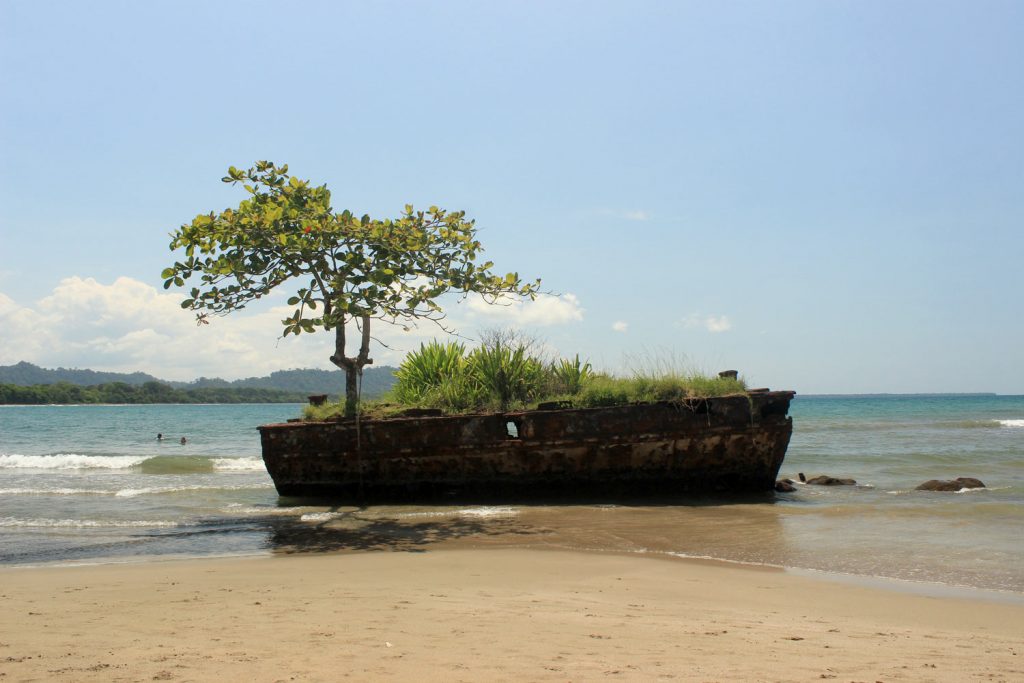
<point x="826" y="196"/>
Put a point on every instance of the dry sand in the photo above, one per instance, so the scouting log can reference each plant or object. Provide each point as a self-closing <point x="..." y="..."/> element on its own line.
<point x="487" y="615"/>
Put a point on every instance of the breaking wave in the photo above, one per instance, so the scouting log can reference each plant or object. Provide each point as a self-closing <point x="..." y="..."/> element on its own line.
<point x="127" y="492"/>
<point x="239" y="464"/>
<point x="69" y="461"/>
<point x="160" y="464"/>
<point x="154" y="490"/>
<point x="53" y="492"/>
<point x="83" y="523"/>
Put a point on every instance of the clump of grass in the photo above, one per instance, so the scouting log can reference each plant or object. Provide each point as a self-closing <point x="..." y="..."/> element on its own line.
<point x="325" y="411"/>
<point x="383" y="407"/>
<point x="678" y="387"/>
<point x="605" y="390"/>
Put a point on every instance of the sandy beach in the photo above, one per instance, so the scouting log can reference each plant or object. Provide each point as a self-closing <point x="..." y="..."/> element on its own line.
<point x="488" y="615"/>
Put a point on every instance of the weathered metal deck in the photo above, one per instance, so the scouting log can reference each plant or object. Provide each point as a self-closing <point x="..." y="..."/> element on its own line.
<point x="726" y="444"/>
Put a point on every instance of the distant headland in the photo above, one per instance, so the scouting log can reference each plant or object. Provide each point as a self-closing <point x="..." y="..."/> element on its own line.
<point x="950" y="394"/>
<point x="28" y="384"/>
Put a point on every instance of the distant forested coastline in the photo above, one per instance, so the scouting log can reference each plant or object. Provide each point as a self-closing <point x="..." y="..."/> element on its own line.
<point x="149" y="392"/>
<point x="28" y="384"/>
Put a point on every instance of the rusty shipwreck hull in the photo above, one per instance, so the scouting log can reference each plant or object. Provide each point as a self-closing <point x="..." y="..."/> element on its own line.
<point x="725" y="444"/>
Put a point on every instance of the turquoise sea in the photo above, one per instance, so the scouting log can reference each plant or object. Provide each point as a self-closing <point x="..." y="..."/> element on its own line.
<point x="92" y="484"/>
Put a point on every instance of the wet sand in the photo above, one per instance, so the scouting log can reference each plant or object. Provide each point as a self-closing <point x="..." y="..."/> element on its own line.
<point x="487" y="614"/>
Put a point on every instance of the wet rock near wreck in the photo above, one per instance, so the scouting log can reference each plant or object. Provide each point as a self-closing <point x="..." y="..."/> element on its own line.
<point x="957" y="484"/>
<point x="784" y="486"/>
<point x="822" y="480"/>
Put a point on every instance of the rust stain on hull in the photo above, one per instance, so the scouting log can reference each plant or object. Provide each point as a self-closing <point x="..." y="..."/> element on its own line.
<point x="727" y="444"/>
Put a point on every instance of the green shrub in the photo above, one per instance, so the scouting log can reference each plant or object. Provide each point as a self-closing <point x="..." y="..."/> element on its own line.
<point x="569" y="376"/>
<point x="425" y="371"/>
<point x="498" y="374"/>
<point x="506" y="375"/>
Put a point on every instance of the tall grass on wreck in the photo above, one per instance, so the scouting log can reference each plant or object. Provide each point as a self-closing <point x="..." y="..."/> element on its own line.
<point x="656" y="378"/>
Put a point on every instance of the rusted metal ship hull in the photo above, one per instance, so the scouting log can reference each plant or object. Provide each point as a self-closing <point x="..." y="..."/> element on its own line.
<point x="727" y="444"/>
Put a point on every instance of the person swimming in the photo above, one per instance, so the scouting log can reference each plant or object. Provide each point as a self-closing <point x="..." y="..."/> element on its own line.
<point x="184" y="441"/>
<point x="159" y="437"/>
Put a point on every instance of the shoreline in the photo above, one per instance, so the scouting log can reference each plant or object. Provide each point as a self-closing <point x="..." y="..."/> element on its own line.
<point x="928" y="589"/>
<point x="486" y="614"/>
<point x="757" y="538"/>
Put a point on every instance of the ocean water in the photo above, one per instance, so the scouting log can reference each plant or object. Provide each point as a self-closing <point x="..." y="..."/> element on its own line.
<point x="92" y="484"/>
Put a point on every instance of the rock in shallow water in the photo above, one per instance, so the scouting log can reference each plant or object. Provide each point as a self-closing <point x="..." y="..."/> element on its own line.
<point x="831" y="481"/>
<point x="951" y="484"/>
<point x="784" y="486"/>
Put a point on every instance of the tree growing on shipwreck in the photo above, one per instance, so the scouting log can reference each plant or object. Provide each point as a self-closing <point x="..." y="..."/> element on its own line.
<point x="348" y="269"/>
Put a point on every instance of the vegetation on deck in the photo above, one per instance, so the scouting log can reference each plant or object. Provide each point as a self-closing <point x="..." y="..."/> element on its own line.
<point x="506" y="373"/>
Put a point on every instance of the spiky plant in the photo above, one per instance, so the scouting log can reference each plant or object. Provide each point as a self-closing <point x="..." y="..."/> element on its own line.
<point x="569" y="376"/>
<point x="506" y="375"/>
<point x="426" y="370"/>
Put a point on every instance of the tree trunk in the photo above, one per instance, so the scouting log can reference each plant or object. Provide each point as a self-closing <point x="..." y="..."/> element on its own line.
<point x="353" y="367"/>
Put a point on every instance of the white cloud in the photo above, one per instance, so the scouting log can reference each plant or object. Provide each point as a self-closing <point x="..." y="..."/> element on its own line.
<point x="129" y="325"/>
<point x="620" y="326"/>
<point x="544" y="311"/>
<point x="7" y="304"/>
<point x="719" y="324"/>
<point x="711" y="323"/>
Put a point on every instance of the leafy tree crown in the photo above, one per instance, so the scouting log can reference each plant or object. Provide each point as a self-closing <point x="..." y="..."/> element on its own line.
<point x="346" y="266"/>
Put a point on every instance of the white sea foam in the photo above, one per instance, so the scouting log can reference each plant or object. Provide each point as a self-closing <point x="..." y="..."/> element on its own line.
<point x="125" y="493"/>
<point x="54" y="492"/>
<point x="147" y="490"/>
<point x="239" y="509"/>
<point x="69" y="461"/>
<point x="693" y="556"/>
<point x="489" y="512"/>
<point x="77" y="461"/>
<point x="467" y="512"/>
<point x="83" y="523"/>
<point x="239" y="464"/>
<point x="974" y="490"/>
<point x="321" y="516"/>
<point x="1011" y="423"/>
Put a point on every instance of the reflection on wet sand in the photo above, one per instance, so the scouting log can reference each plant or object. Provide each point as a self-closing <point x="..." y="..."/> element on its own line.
<point x="745" y="531"/>
<point x="367" y="530"/>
